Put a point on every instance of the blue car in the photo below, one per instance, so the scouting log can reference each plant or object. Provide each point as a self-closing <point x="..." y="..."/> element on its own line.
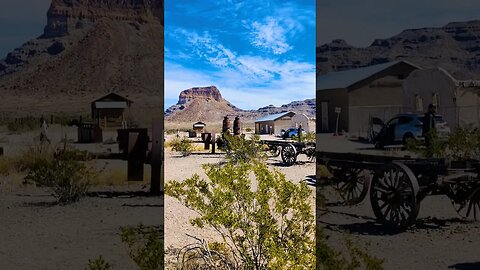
<point x="291" y="132"/>
<point x="403" y="127"/>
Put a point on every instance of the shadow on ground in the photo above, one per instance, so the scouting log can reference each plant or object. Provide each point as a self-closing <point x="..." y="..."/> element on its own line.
<point x="465" y="266"/>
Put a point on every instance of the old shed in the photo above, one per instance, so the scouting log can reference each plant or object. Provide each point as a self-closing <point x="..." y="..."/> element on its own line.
<point x="111" y="110"/>
<point x="359" y="94"/>
<point x="274" y="123"/>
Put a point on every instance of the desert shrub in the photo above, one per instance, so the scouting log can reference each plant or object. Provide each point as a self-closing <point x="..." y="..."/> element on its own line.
<point x="270" y="226"/>
<point x="7" y="165"/>
<point x="356" y="258"/>
<point x="23" y="124"/>
<point x="248" y="130"/>
<point x="240" y="149"/>
<point x="309" y="137"/>
<point x="182" y="145"/>
<point x="146" y="246"/>
<point x="62" y="172"/>
<point x="463" y="143"/>
<point x="98" y="264"/>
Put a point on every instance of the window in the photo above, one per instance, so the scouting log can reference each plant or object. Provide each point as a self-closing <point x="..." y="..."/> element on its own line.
<point x="435" y="100"/>
<point x="418" y="103"/>
<point x="404" y="120"/>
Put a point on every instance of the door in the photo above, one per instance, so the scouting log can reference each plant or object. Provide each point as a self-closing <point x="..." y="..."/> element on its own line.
<point x="324" y="108"/>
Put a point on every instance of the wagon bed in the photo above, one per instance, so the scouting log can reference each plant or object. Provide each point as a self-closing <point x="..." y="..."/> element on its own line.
<point x="398" y="184"/>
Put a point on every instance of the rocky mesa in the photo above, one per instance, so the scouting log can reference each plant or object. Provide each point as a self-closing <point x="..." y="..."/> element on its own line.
<point x="88" y="48"/>
<point x="207" y="104"/>
<point x="454" y="47"/>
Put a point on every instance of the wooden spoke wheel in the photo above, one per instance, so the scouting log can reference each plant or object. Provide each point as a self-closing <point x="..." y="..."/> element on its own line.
<point x="274" y="151"/>
<point x="393" y="196"/>
<point x="289" y="154"/>
<point x="352" y="184"/>
<point x="465" y="199"/>
<point x="310" y="151"/>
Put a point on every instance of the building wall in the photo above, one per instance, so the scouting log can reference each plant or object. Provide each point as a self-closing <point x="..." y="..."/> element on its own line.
<point x="282" y="123"/>
<point x="264" y="127"/>
<point x="468" y="106"/>
<point x="302" y="119"/>
<point x="334" y="98"/>
<point x="420" y="88"/>
<point x="382" y="98"/>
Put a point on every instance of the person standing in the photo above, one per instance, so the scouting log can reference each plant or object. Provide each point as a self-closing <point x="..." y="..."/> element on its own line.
<point x="429" y="124"/>
<point x="43" y="130"/>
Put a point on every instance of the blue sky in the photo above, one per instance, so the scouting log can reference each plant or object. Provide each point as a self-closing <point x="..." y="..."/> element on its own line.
<point x="20" y="21"/>
<point x="256" y="52"/>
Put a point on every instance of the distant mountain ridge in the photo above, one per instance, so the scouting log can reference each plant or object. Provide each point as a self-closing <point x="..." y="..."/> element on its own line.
<point x="207" y="104"/>
<point x="454" y="47"/>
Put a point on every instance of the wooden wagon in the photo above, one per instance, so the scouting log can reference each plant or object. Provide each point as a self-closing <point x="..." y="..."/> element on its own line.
<point x="399" y="184"/>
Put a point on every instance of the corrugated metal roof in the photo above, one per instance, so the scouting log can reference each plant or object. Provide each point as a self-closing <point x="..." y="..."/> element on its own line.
<point x="273" y="117"/>
<point x="344" y="79"/>
<point x="111" y="105"/>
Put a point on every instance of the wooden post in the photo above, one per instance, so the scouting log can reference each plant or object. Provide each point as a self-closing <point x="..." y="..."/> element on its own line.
<point x="105" y="119"/>
<point x="213" y="142"/>
<point x="135" y="164"/>
<point x="157" y="157"/>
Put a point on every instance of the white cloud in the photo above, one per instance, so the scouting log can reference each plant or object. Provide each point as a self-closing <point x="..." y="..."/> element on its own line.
<point x="270" y="35"/>
<point x="289" y="81"/>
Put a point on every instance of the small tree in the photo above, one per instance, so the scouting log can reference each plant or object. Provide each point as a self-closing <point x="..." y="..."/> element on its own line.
<point x="267" y="227"/>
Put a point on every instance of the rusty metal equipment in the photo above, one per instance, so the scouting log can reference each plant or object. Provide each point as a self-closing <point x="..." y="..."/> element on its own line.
<point x="237" y="126"/>
<point x="226" y="125"/>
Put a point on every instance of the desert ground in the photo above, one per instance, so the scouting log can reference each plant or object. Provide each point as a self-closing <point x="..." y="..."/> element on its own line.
<point x="440" y="239"/>
<point x="37" y="233"/>
<point x="177" y="216"/>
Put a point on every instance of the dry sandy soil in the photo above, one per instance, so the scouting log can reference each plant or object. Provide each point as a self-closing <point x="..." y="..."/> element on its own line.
<point x="440" y="239"/>
<point x="177" y="216"/>
<point x="36" y="233"/>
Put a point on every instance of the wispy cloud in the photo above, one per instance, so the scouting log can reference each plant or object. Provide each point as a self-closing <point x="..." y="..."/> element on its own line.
<point x="259" y="54"/>
<point x="270" y="35"/>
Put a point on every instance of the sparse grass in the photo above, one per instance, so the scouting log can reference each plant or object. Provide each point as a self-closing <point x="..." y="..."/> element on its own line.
<point x="7" y="165"/>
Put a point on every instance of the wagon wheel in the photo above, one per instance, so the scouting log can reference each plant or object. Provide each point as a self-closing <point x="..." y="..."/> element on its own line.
<point x="393" y="196"/>
<point x="352" y="184"/>
<point x="274" y="151"/>
<point x="289" y="154"/>
<point x="310" y="152"/>
<point x="465" y="199"/>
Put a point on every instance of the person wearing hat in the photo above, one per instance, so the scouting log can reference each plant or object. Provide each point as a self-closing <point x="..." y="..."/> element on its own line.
<point x="429" y="124"/>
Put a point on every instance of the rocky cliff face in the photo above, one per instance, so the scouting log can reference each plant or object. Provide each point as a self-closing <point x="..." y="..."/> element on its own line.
<point x="65" y="16"/>
<point x="207" y="104"/>
<point x="89" y="48"/>
<point x="205" y="93"/>
<point x="455" y="47"/>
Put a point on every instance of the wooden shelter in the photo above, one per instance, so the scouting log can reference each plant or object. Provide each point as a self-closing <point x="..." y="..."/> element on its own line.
<point x="111" y="110"/>
<point x="199" y="128"/>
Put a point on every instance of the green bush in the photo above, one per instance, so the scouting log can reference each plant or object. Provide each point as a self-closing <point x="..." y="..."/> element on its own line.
<point x="356" y="258"/>
<point x="98" y="264"/>
<point x="463" y="143"/>
<point x="240" y="149"/>
<point x="146" y="246"/>
<point x="183" y="145"/>
<point x="23" y="124"/>
<point x="61" y="171"/>
<point x="267" y="227"/>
